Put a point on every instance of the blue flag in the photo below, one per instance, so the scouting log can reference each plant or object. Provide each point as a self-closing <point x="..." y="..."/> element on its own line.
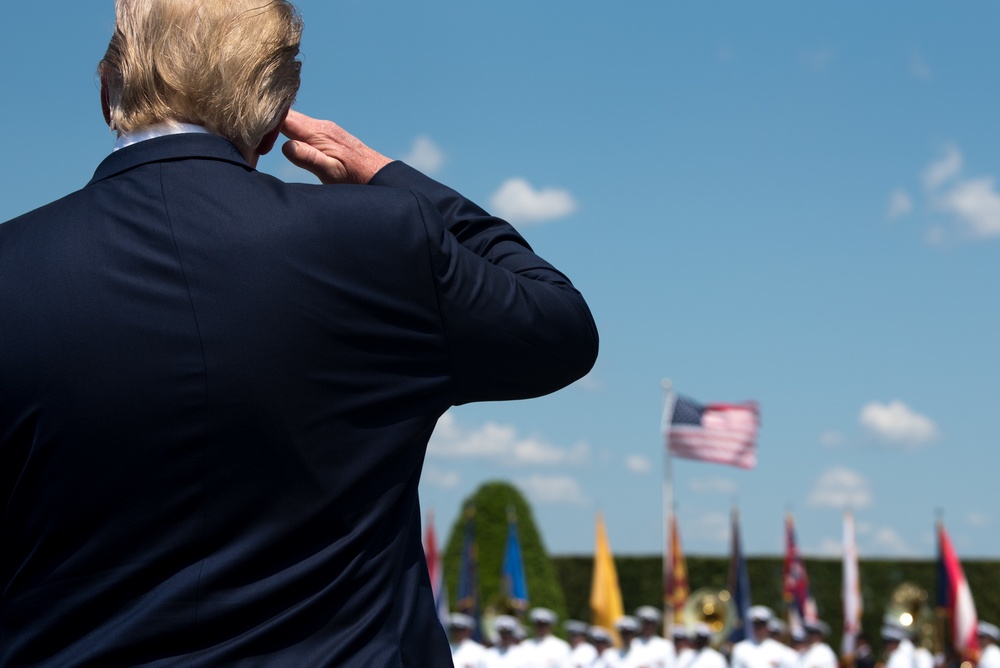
<point x="515" y="585"/>
<point x="468" y="578"/>
<point x="739" y="585"/>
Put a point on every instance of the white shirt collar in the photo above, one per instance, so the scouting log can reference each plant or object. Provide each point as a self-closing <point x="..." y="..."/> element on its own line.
<point x="157" y="130"/>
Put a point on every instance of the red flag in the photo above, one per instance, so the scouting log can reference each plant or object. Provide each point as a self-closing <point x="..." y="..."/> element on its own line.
<point x="961" y="608"/>
<point x="436" y="570"/>
<point x="798" y="598"/>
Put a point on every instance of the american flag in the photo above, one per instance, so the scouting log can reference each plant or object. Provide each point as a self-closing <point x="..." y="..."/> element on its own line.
<point x="719" y="433"/>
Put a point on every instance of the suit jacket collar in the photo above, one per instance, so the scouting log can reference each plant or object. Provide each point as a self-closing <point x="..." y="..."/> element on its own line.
<point x="171" y="147"/>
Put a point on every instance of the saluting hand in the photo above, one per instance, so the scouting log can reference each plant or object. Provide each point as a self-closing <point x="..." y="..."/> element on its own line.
<point x="328" y="151"/>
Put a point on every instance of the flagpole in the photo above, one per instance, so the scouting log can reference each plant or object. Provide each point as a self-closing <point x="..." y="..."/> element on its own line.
<point x="668" y="500"/>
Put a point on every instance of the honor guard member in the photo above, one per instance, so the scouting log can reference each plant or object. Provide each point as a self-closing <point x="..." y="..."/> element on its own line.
<point x="818" y="654"/>
<point x="759" y="650"/>
<point x="799" y="642"/>
<point x="778" y="631"/>
<point x="683" y="646"/>
<point x="705" y="655"/>
<point x="581" y="654"/>
<point x="651" y="650"/>
<point x="507" y="653"/>
<point x="989" y="636"/>
<point x="897" y="647"/>
<point x="465" y="652"/>
<point x="628" y="630"/>
<point x="545" y="650"/>
<point x="607" y="655"/>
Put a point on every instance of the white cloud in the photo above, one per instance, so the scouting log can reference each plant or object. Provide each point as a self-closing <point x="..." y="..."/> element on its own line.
<point x="887" y="539"/>
<point x="500" y="443"/>
<point x="973" y="203"/>
<point x="818" y="59"/>
<point x="518" y="202"/>
<point x="978" y="519"/>
<point x="944" y="170"/>
<point x="831" y="438"/>
<point x="712" y="527"/>
<point x="425" y="155"/>
<point x="919" y="68"/>
<point x="590" y="382"/>
<point x="841" y="488"/>
<point x="895" y="423"/>
<point x="976" y="205"/>
<point x="638" y="464"/>
<point x="553" y="489"/>
<point x="900" y="204"/>
<point x="828" y="548"/>
<point x="936" y="235"/>
<point x="717" y="486"/>
<point x="440" y="478"/>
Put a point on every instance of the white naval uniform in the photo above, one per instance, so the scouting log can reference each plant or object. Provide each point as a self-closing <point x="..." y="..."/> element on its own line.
<point x="819" y="655"/>
<point x="767" y="653"/>
<point x="609" y="658"/>
<point x="922" y="658"/>
<point x="652" y="652"/>
<point x="990" y="658"/>
<point x="547" y="652"/>
<point x="685" y="657"/>
<point x="468" y="654"/>
<point x="506" y="657"/>
<point x="582" y="656"/>
<point x="902" y="656"/>
<point x="708" y="658"/>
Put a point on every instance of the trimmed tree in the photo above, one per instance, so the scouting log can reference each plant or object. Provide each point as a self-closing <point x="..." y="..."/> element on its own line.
<point x="490" y="504"/>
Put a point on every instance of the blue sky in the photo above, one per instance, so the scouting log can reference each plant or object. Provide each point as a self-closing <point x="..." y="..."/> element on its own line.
<point x="789" y="202"/>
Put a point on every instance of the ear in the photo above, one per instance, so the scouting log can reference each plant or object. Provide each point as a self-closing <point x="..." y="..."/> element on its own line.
<point x="105" y="98"/>
<point x="267" y="143"/>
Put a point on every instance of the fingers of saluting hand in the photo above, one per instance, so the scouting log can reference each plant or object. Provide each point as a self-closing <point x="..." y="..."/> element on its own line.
<point x="353" y="162"/>
<point x="327" y="169"/>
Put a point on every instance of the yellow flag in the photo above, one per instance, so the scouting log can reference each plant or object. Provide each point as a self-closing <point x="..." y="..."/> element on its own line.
<point x="605" y="595"/>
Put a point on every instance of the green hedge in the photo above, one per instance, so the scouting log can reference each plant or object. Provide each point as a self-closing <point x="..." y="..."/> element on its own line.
<point x="640" y="579"/>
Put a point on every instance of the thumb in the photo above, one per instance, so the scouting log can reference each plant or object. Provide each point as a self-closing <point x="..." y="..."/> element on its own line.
<point x="328" y="170"/>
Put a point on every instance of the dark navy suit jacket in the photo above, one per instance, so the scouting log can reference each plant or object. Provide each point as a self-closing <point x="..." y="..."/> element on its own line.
<point x="216" y="391"/>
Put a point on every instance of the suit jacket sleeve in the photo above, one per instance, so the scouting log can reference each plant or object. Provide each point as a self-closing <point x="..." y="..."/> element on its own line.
<point x="514" y="325"/>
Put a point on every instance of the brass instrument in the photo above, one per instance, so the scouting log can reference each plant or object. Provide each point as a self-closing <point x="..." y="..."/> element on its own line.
<point x="909" y="608"/>
<point x="713" y="607"/>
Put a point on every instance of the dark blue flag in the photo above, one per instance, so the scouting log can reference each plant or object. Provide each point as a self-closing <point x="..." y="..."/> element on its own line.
<point x="514" y="583"/>
<point x="739" y="585"/>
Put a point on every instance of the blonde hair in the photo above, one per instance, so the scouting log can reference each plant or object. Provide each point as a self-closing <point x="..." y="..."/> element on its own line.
<point x="229" y="65"/>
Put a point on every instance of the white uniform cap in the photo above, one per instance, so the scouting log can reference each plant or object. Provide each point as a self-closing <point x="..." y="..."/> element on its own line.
<point x="760" y="613"/>
<point x="817" y="627"/>
<point x="702" y="630"/>
<point x="989" y="630"/>
<point x="776" y="626"/>
<point x="543" y="616"/>
<point x="627" y="624"/>
<point x="458" y="620"/>
<point x="599" y="634"/>
<point x="648" y="613"/>
<point x="505" y="623"/>
<point x="575" y="627"/>
<point x="798" y="634"/>
<point x="680" y="632"/>
<point x="894" y="633"/>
